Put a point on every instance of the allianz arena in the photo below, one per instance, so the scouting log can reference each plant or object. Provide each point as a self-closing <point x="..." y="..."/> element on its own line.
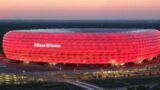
<point x="82" y="46"/>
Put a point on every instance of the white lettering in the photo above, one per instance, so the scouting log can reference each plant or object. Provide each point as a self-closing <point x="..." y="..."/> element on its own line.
<point x="47" y="45"/>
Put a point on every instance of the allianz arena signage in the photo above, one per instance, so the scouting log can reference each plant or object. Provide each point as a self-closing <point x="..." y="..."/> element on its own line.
<point x="46" y="45"/>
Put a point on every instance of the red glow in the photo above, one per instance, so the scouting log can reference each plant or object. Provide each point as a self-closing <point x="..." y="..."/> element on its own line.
<point x="82" y="48"/>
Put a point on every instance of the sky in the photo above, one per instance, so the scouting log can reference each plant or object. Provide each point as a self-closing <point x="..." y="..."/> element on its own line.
<point x="80" y="9"/>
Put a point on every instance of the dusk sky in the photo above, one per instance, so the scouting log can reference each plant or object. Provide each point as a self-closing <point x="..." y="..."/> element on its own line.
<point x="80" y="9"/>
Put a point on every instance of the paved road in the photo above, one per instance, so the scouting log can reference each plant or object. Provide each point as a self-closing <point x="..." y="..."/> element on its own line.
<point x="49" y="77"/>
<point x="43" y="72"/>
<point x="6" y="68"/>
<point x="44" y="75"/>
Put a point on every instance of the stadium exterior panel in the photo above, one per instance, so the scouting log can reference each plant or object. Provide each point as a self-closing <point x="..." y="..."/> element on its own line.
<point x="82" y="46"/>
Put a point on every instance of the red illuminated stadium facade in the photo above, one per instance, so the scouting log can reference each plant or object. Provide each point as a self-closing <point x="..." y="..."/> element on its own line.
<point x="82" y="46"/>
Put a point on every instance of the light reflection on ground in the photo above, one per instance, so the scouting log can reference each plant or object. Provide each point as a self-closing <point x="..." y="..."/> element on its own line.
<point x="6" y="79"/>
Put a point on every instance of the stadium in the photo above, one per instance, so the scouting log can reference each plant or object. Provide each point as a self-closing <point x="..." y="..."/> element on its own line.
<point x="82" y="46"/>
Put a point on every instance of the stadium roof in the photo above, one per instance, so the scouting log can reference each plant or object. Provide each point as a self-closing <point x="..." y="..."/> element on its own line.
<point x="85" y="30"/>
